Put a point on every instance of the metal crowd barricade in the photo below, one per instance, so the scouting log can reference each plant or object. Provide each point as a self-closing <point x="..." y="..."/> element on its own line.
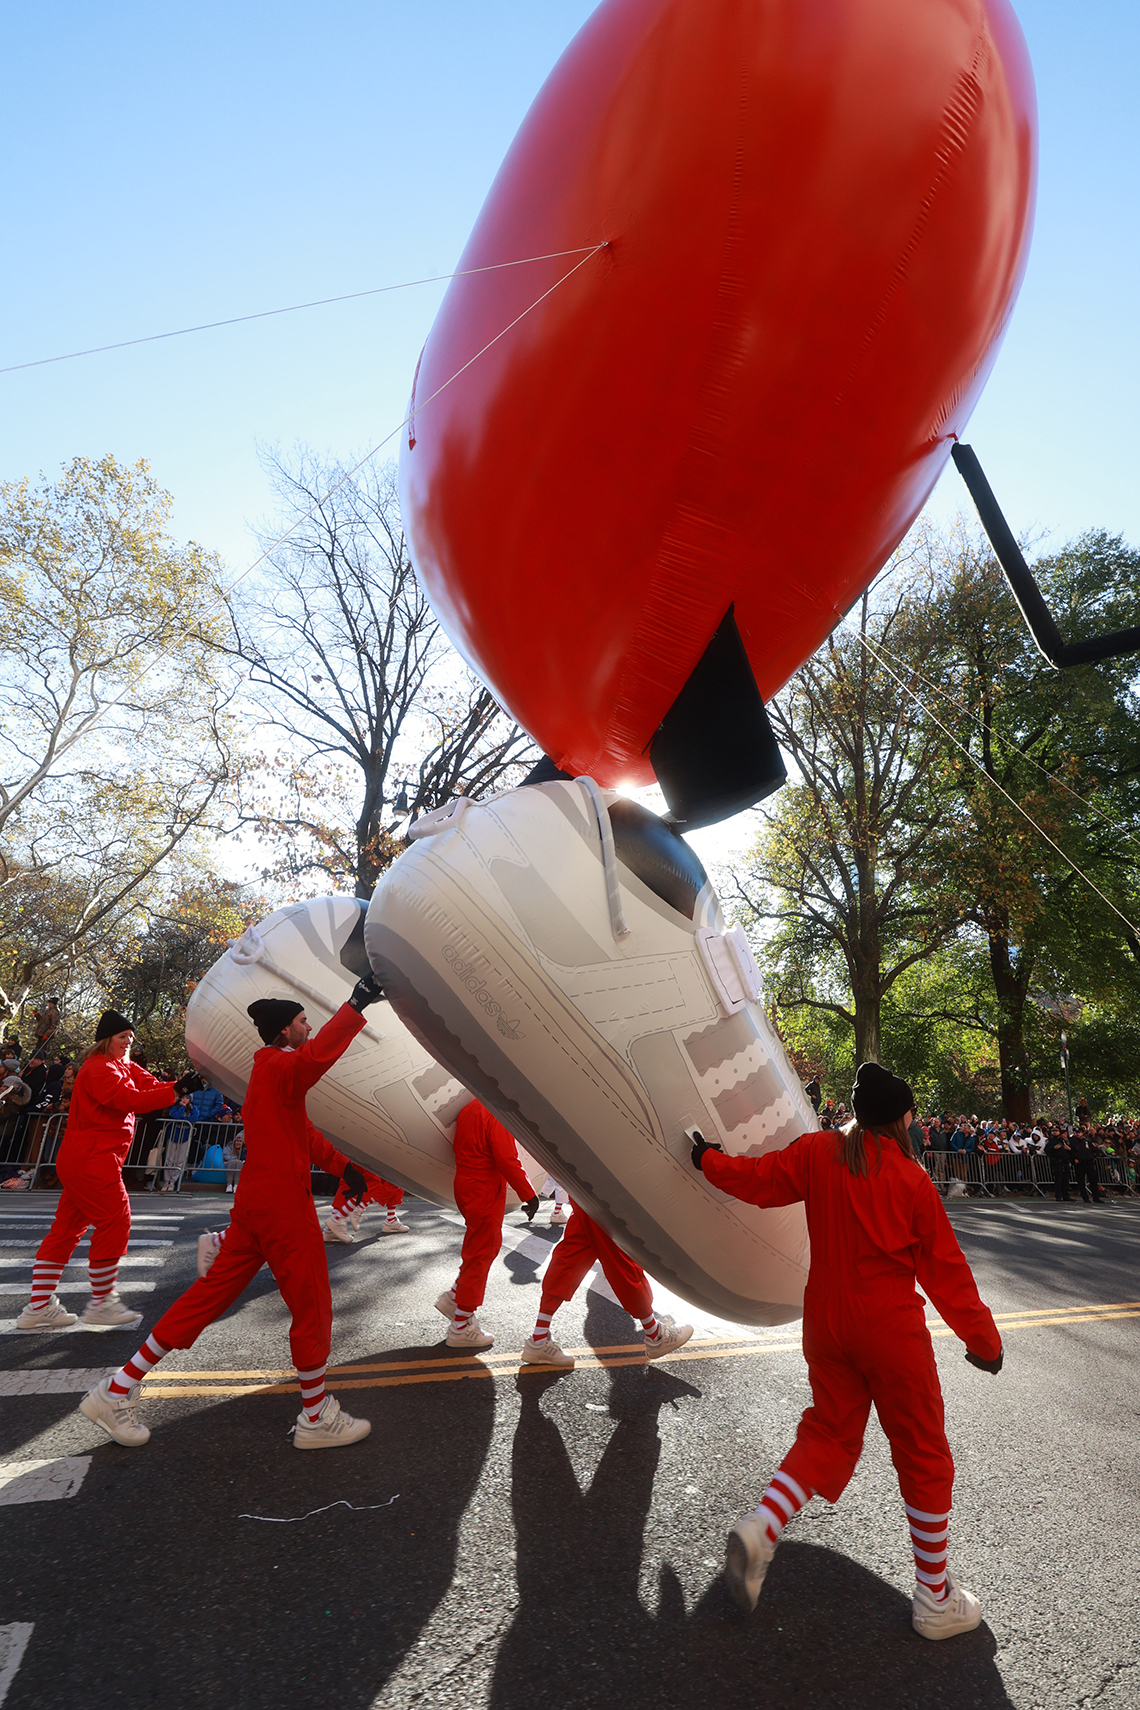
<point x="1018" y="1172"/>
<point x="34" y="1146"/>
<point x="170" y="1151"/>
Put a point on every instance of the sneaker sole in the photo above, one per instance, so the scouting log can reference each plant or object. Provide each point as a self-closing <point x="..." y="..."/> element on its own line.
<point x="31" y="1329"/>
<point x="566" y="1365"/>
<point x="471" y="1347"/>
<point x="736" y="1575"/>
<point x="131" y="1323"/>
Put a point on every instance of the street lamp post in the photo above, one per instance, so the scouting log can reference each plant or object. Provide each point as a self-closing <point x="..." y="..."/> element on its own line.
<point x="1065" y="1066"/>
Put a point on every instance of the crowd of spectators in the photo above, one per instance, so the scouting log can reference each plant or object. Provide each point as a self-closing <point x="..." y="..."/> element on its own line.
<point x="970" y="1154"/>
<point x="200" y="1134"/>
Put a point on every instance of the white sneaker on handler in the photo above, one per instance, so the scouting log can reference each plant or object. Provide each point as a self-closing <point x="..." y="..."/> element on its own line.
<point x="354" y="1217"/>
<point x="52" y="1316"/>
<point x="337" y="1230"/>
<point x="396" y="1228"/>
<point x="959" y="1613"/>
<point x="558" y="1215"/>
<point x="670" y="1336"/>
<point x="334" y="1428"/>
<point x="116" y="1414"/>
<point x="546" y="1353"/>
<point x="446" y="1304"/>
<point x="472" y="1336"/>
<point x="748" y="1553"/>
<point x="111" y="1311"/>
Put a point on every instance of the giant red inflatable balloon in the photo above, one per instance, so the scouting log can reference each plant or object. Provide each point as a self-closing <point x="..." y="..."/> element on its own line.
<point x="817" y="215"/>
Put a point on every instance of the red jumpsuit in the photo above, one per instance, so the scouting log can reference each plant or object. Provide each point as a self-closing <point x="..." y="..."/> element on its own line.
<point x="108" y="1093"/>
<point x="864" y="1331"/>
<point x="486" y="1160"/>
<point x="379" y="1192"/>
<point x="274" y="1221"/>
<point x="583" y="1245"/>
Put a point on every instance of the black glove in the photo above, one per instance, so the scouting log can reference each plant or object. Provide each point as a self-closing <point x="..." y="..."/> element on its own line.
<point x="986" y="1365"/>
<point x="189" y="1083"/>
<point x="354" y="1181"/>
<point x="365" y="991"/>
<point x="700" y="1147"/>
<point x="530" y="1206"/>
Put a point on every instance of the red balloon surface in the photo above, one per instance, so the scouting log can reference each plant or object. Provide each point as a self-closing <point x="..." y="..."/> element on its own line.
<point x="817" y="216"/>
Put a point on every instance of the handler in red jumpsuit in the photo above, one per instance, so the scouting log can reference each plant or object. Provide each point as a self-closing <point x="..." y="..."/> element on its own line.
<point x="348" y="1208"/>
<point x="486" y="1163"/>
<point x="109" y="1092"/>
<point x="584" y="1245"/>
<point x="877" y="1224"/>
<point x="273" y="1222"/>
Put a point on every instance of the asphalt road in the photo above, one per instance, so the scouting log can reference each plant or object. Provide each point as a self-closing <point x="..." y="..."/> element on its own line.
<point x="554" y="1542"/>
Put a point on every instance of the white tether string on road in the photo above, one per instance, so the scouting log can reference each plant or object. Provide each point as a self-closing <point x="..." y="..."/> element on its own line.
<point x="291" y="309"/>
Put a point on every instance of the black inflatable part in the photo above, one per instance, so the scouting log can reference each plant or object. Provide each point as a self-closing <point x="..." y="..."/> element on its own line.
<point x="714" y="752"/>
<point x="1039" y="619"/>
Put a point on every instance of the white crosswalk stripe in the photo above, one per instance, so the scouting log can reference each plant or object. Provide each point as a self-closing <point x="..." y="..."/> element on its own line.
<point x="58" y="1380"/>
<point x="81" y="1264"/>
<point x="21" y="1288"/>
<point x="41" y="1481"/>
<point x="13" y="1643"/>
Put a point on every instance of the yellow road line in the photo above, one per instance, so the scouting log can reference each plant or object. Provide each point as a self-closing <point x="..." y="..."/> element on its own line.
<point x="403" y="1372"/>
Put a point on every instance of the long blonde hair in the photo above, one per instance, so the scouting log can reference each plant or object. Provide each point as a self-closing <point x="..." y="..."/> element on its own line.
<point x="102" y="1049"/>
<point x="850" y="1148"/>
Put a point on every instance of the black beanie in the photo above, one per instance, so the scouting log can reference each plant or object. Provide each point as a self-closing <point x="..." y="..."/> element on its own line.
<point x="878" y="1097"/>
<point x="272" y="1015"/>
<point x="110" y="1023"/>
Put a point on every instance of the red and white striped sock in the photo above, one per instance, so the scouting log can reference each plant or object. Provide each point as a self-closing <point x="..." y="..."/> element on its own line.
<point x="928" y="1535"/>
<point x="392" y="1216"/>
<point x="345" y="1211"/>
<point x="103" y="1280"/>
<point x="45" y="1281"/>
<point x="541" y="1331"/>
<point x="312" y="1393"/>
<point x="783" y="1498"/>
<point x="651" y="1326"/>
<point x="137" y="1367"/>
<point x="462" y="1319"/>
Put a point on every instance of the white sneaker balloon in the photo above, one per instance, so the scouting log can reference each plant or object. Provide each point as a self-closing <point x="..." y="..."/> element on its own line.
<point x="387" y="1103"/>
<point x="561" y="951"/>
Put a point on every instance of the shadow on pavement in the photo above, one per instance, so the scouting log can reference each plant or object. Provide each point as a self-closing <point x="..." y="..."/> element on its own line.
<point x="220" y="1612"/>
<point x="828" y="1634"/>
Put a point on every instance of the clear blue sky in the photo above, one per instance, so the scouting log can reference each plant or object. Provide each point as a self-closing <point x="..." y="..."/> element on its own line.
<point x="173" y="164"/>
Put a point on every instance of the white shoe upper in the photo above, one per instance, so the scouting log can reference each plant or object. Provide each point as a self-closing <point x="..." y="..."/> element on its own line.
<point x="116" y="1414"/>
<point x="747" y="1558"/>
<point x="670" y="1336"/>
<point x="334" y="1428"/>
<point x="111" y="1311"/>
<point x="472" y="1335"/>
<point x="52" y="1316"/>
<point x="546" y="1353"/>
<point x="961" y="1611"/>
<point x="396" y="1228"/>
<point x="337" y="1230"/>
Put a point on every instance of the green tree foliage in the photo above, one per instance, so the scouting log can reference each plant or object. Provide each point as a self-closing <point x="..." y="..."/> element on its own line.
<point x="1003" y="777"/>
<point x="850" y="866"/>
